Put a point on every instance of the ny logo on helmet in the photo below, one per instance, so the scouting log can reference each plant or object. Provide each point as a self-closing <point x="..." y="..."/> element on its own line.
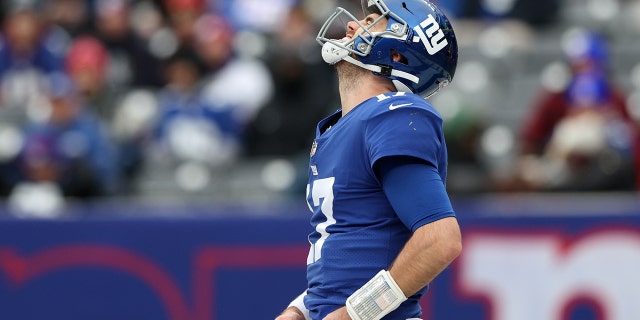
<point x="431" y="35"/>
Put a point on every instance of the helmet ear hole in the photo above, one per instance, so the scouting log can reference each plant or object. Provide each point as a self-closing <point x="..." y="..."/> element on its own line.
<point x="397" y="57"/>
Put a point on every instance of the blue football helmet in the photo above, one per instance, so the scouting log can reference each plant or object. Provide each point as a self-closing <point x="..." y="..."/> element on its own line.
<point x="416" y="29"/>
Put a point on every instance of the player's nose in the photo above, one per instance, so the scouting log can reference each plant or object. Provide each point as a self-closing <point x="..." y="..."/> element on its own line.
<point x="352" y="26"/>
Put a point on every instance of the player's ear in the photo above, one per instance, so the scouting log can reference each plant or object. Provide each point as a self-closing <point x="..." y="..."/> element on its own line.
<point x="397" y="57"/>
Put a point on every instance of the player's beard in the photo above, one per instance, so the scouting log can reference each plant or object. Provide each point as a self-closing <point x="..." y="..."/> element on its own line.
<point x="349" y="76"/>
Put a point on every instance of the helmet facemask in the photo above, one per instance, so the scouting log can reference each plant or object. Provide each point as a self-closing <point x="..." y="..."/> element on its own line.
<point x="362" y="43"/>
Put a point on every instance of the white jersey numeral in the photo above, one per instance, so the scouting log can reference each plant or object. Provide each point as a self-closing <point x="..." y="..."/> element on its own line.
<point x="321" y="189"/>
<point x="383" y="96"/>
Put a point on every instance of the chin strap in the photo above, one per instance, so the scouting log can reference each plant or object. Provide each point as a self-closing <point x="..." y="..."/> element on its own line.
<point x="332" y="54"/>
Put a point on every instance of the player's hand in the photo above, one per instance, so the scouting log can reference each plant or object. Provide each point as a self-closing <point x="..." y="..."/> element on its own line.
<point x="340" y="314"/>
<point x="291" y="313"/>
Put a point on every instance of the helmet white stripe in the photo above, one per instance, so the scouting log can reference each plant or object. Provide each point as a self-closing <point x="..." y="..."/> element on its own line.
<point x="378" y="69"/>
<point x="401" y="86"/>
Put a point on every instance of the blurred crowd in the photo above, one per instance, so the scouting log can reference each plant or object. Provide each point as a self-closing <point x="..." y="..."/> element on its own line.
<point x="94" y="92"/>
<point x="582" y="137"/>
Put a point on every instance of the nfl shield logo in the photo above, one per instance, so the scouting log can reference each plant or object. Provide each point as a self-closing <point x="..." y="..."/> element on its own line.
<point x="314" y="146"/>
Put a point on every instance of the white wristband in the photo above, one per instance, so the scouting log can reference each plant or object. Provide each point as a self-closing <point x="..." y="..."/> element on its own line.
<point x="377" y="298"/>
<point x="299" y="303"/>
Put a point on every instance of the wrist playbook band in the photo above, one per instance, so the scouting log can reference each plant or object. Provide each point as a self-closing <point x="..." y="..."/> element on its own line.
<point x="299" y="303"/>
<point x="377" y="298"/>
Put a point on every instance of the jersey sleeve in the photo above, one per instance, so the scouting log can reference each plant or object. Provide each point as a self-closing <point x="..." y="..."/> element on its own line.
<point x="406" y="131"/>
<point x="414" y="189"/>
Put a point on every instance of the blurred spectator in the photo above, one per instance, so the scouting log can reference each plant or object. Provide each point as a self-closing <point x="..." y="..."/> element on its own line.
<point x="72" y="16"/>
<point x="581" y="138"/>
<point x="188" y="128"/>
<point x="132" y="63"/>
<point x="26" y="56"/>
<point x="464" y="127"/>
<point x="233" y="80"/>
<point x="285" y="126"/>
<point x="86" y="63"/>
<point x="11" y="137"/>
<point x="147" y="19"/>
<point x="533" y="12"/>
<point x="134" y="117"/>
<point x="255" y="15"/>
<point x="71" y="149"/>
<point x="183" y="15"/>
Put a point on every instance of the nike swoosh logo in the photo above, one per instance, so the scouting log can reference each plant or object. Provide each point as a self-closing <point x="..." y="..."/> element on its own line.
<point x="392" y="107"/>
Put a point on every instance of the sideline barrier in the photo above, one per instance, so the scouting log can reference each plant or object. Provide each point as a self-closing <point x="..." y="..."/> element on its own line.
<point x="538" y="259"/>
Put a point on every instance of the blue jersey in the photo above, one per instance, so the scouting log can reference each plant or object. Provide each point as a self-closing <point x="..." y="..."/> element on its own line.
<point x="356" y="231"/>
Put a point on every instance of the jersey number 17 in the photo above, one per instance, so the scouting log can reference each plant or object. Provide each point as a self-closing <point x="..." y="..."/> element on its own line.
<point x="321" y="189"/>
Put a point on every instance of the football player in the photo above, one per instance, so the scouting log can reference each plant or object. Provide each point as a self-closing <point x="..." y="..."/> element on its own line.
<point x="384" y="224"/>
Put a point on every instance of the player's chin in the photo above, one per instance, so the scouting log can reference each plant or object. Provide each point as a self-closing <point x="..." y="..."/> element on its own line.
<point x="342" y="64"/>
<point x="349" y="71"/>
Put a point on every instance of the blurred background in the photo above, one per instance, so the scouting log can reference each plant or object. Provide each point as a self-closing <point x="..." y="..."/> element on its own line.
<point x="179" y="131"/>
<point x="216" y="101"/>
